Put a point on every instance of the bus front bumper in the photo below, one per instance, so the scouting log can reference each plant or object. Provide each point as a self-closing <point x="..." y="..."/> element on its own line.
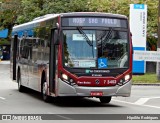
<point x="64" y="89"/>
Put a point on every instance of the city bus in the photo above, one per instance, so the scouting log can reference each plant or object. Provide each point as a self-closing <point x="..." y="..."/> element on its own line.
<point x="79" y="54"/>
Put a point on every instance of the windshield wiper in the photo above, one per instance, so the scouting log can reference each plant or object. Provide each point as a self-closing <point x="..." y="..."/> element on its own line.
<point x="107" y="37"/>
<point x="85" y="36"/>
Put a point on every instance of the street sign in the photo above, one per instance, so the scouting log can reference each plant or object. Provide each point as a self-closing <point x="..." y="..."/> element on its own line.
<point x="138" y="27"/>
<point x="152" y="56"/>
<point x="138" y="24"/>
<point x="102" y="63"/>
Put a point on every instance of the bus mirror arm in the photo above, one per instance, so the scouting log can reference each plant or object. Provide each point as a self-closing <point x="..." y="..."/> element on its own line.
<point x="56" y="42"/>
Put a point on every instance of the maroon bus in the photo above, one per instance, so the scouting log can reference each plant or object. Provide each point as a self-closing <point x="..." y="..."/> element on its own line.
<point x="73" y="54"/>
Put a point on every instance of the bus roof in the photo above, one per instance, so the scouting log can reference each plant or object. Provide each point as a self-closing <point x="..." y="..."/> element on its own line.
<point x="94" y="14"/>
<point x="35" y="22"/>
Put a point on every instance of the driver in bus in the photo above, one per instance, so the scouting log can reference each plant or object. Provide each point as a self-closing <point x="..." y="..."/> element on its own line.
<point x="106" y="54"/>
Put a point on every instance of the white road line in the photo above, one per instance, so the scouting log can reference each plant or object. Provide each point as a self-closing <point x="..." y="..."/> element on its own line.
<point x="141" y="101"/>
<point x="2" y="98"/>
<point x="155" y="98"/>
<point x="135" y="104"/>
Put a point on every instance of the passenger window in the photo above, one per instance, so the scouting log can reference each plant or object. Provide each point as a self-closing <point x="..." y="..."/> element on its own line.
<point x="25" y="50"/>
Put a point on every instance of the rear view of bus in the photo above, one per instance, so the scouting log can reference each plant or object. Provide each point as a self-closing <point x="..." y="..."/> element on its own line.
<point x="96" y="56"/>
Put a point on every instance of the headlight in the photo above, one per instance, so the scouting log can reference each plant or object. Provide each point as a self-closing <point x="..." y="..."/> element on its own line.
<point x="64" y="76"/>
<point x="127" y="77"/>
<point x="124" y="80"/>
<point x="67" y="79"/>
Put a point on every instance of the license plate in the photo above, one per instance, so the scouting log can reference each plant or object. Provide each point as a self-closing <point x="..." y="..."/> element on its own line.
<point x="96" y="93"/>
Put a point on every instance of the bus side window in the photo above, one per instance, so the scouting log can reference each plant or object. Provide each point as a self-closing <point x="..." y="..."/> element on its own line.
<point x="34" y="49"/>
<point x="42" y="43"/>
<point x="30" y="44"/>
<point x="21" y="47"/>
<point x="25" y="51"/>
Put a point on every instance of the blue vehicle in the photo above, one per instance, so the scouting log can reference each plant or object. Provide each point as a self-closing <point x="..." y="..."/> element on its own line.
<point x="1" y="53"/>
<point x="5" y="52"/>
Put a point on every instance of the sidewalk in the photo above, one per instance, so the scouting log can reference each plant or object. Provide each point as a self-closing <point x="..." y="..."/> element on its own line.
<point x="4" y="62"/>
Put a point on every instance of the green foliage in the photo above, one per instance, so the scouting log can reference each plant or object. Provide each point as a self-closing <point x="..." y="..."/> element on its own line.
<point x="152" y="23"/>
<point x="9" y="11"/>
<point x="31" y="9"/>
<point x="148" y="78"/>
<point x="4" y="42"/>
<point x="35" y="8"/>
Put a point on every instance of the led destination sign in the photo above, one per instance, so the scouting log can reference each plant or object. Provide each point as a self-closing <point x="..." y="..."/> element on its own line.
<point x="92" y="21"/>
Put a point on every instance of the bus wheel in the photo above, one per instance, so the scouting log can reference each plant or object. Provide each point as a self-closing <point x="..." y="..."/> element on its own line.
<point x="20" y="87"/>
<point x="46" y="98"/>
<point x="105" y="99"/>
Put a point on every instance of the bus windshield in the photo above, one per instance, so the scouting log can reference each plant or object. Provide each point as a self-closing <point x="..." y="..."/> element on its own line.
<point x="108" y="48"/>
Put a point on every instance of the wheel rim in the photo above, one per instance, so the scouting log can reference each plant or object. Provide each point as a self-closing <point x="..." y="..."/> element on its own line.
<point x="45" y="88"/>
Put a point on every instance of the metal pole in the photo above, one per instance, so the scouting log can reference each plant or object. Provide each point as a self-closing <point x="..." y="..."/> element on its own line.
<point x="158" y="43"/>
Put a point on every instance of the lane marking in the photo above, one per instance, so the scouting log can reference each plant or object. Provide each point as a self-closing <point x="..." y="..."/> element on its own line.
<point x="135" y="104"/>
<point x="142" y="101"/>
<point x="2" y="98"/>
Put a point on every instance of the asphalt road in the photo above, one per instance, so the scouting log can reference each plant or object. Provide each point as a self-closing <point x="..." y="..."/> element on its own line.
<point x="143" y="100"/>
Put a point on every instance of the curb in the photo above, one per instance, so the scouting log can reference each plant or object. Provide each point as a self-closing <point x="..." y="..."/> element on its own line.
<point x="145" y="84"/>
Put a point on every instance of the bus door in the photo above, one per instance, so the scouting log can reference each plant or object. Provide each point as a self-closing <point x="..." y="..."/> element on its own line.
<point x="33" y="57"/>
<point x="24" y="61"/>
<point x="53" y="60"/>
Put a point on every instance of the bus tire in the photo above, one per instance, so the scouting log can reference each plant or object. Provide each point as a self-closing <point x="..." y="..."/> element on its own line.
<point x="105" y="99"/>
<point x="20" y="87"/>
<point x="44" y="90"/>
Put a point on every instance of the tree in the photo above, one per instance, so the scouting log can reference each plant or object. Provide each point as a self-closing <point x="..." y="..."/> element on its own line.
<point x="10" y="9"/>
<point x="36" y="8"/>
<point x="31" y="9"/>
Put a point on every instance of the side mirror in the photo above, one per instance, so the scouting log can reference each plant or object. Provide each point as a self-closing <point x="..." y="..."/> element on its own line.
<point x="55" y="36"/>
